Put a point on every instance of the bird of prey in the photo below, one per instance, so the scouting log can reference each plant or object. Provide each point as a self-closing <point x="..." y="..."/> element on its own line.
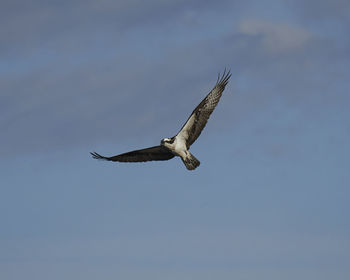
<point x="179" y="145"/>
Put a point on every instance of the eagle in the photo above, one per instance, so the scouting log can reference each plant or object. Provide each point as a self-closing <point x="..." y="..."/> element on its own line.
<point x="179" y="144"/>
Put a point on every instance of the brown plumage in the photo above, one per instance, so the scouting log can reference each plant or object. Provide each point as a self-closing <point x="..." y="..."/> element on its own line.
<point x="153" y="153"/>
<point x="200" y="115"/>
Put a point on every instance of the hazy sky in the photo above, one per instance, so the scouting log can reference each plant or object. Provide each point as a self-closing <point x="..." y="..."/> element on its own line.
<point x="270" y="200"/>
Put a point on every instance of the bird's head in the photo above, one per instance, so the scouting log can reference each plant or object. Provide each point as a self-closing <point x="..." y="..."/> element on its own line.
<point x="166" y="141"/>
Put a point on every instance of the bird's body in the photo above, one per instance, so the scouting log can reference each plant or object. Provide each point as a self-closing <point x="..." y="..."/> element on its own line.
<point x="179" y="145"/>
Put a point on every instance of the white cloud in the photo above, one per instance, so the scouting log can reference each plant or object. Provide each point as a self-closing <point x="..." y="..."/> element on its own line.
<point x="276" y="37"/>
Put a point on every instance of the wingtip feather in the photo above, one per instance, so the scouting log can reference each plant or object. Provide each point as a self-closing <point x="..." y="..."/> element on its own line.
<point x="98" y="156"/>
<point x="224" y="78"/>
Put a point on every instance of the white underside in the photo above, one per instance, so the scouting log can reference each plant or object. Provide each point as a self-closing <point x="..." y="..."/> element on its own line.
<point x="178" y="147"/>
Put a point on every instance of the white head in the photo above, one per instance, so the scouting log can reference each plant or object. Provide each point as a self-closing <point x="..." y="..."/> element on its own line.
<point x="166" y="140"/>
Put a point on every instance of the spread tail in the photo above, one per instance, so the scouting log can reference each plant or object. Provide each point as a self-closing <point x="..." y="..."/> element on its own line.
<point x="190" y="161"/>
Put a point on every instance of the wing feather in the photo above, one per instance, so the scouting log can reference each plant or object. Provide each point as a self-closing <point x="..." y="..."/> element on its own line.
<point x="200" y="115"/>
<point x="149" y="154"/>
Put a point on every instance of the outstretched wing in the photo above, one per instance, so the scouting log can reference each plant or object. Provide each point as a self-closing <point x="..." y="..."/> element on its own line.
<point x="199" y="117"/>
<point x="153" y="153"/>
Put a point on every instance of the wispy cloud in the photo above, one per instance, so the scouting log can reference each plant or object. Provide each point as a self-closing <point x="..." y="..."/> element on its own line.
<point x="276" y="37"/>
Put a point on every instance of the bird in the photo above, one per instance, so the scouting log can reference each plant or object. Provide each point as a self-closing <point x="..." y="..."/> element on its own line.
<point x="179" y="144"/>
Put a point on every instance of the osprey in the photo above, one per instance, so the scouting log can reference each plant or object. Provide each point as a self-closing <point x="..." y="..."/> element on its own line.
<point x="179" y="145"/>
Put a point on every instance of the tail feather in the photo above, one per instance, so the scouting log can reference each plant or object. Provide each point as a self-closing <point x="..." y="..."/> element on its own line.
<point x="190" y="161"/>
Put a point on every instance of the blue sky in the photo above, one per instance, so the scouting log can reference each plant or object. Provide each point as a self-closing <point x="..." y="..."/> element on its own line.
<point x="271" y="197"/>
